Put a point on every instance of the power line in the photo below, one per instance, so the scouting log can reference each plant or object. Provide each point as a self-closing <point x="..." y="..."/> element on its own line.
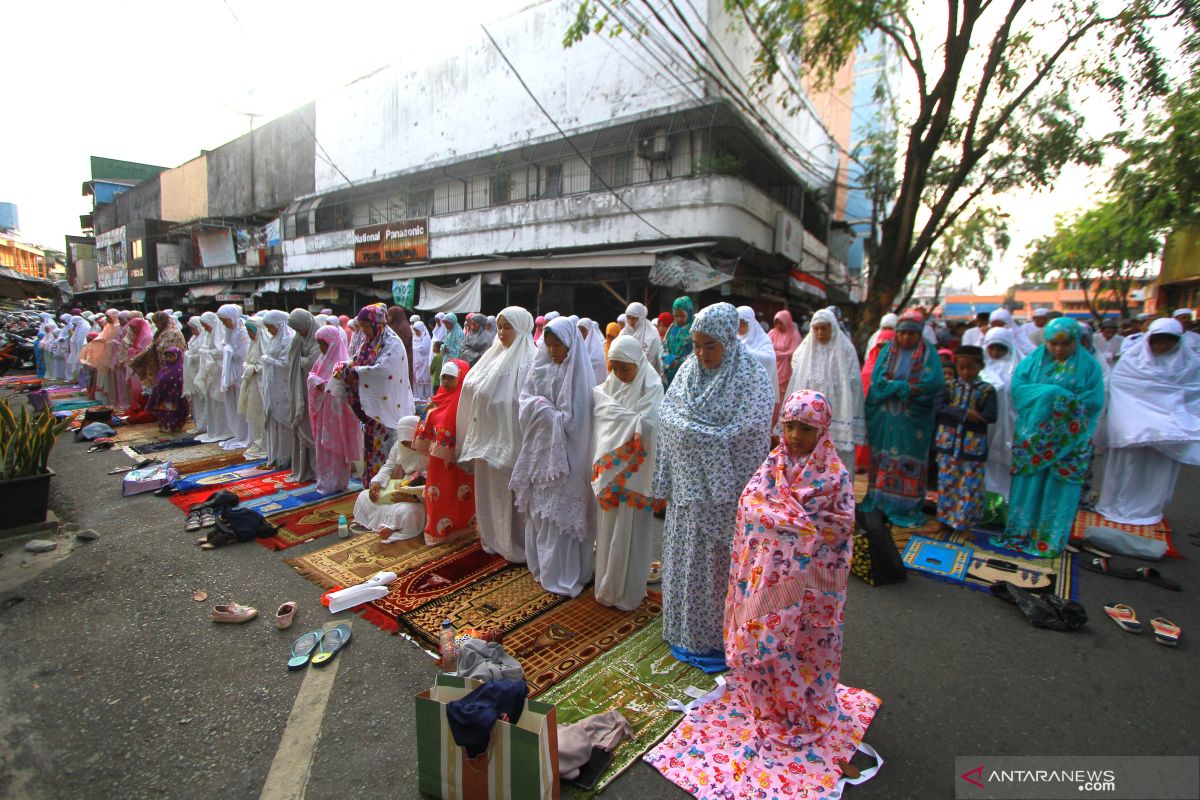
<point x="566" y="138"/>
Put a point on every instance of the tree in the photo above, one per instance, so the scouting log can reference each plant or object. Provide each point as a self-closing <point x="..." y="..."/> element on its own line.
<point x="994" y="89"/>
<point x="1106" y="246"/>
<point x="973" y="242"/>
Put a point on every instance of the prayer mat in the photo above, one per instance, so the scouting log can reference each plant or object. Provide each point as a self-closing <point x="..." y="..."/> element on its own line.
<point x="10" y="381"/>
<point x="306" y="524"/>
<point x="260" y="485"/>
<point x="62" y="392"/>
<point x="352" y="561"/>
<point x="990" y="562"/>
<point x="223" y="475"/>
<point x="163" y="445"/>
<point x="557" y="643"/>
<point x="191" y="460"/>
<point x="637" y="677"/>
<point x="74" y="404"/>
<point x="300" y="497"/>
<point x="138" y="433"/>
<point x="714" y="752"/>
<point x="943" y="559"/>
<point x="1159" y="533"/>
<point x="503" y="601"/>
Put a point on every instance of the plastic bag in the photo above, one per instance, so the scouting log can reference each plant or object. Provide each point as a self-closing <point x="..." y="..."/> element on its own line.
<point x="1043" y="610"/>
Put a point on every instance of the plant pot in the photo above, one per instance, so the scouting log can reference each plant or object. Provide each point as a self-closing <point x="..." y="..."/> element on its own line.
<point x="24" y="501"/>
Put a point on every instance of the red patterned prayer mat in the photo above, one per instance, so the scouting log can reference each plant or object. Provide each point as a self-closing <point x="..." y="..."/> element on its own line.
<point x="574" y="634"/>
<point x="305" y="524"/>
<point x="1160" y="532"/>
<point x="247" y="488"/>
<point x="503" y="601"/>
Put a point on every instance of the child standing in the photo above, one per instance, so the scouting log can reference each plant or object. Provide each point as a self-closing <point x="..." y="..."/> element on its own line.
<point x="167" y="403"/>
<point x="964" y="411"/>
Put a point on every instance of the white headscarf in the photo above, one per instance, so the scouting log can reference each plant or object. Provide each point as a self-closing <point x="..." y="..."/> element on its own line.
<point x="488" y="405"/>
<point x="439" y="330"/>
<point x="552" y="473"/>
<point x="212" y="354"/>
<point x="237" y="342"/>
<point x="758" y="344"/>
<point x="1155" y="400"/>
<point x="646" y="334"/>
<point x="250" y="399"/>
<point x="833" y="370"/>
<point x="623" y="411"/>
<point x="886" y="323"/>
<point x="595" y="347"/>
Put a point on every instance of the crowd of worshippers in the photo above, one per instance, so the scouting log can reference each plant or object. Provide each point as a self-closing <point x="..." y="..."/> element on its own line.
<point x="557" y="443"/>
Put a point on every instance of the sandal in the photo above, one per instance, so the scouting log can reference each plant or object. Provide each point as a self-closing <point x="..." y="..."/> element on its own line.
<point x="193" y="521"/>
<point x="302" y="650"/>
<point x="1151" y="575"/>
<point x="1166" y="633"/>
<point x="208" y="519"/>
<point x="333" y="641"/>
<point x="655" y="572"/>
<point x="1124" y="616"/>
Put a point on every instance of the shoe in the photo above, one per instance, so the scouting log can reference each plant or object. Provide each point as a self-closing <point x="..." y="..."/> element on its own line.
<point x="333" y="641"/>
<point x="232" y="612"/>
<point x="1166" y="633"/>
<point x="302" y="650"/>
<point x="1124" y="616"/>
<point x="283" y="617"/>
<point x="192" y="523"/>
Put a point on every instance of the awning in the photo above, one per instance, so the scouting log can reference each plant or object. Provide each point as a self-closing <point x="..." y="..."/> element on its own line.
<point x="267" y="286"/>
<point x="605" y="259"/>
<point x="207" y="290"/>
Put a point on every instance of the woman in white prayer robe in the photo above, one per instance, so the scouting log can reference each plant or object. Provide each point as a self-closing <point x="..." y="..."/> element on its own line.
<point x="276" y="390"/>
<point x="212" y="356"/>
<point x="233" y="360"/>
<point x="826" y="362"/>
<point x="552" y="474"/>
<point x="1153" y="425"/>
<point x="625" y="442"/>
<point x="489" y="431"/>
<point x="637" y="326"/>
<point x="394" y="514"/>
<point x="1000" y="359"/>
<point x="758" y="344"/>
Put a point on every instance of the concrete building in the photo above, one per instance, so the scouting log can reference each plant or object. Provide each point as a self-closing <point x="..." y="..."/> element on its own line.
<point x="22" y="257"/>
<point x="636" y="179"/>
<point x="1178" y="282"/>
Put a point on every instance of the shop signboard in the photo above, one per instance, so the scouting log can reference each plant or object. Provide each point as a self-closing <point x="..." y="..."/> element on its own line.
<point x="392" y="244"/>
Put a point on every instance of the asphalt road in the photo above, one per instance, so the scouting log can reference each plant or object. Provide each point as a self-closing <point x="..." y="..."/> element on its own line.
<point x="116" y="683"/>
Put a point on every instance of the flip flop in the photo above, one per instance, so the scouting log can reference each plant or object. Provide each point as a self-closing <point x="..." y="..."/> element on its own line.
<point x="1124" y="616"/>
<point x="302" y="650"/>
<point x="1151" y="575"/>
<point x="333" y="641"/>
<point x="1166" y="633"/>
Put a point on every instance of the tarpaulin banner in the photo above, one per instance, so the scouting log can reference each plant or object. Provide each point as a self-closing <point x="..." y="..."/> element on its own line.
<point x="465" y="297"/>
<point x="216" y="248"/>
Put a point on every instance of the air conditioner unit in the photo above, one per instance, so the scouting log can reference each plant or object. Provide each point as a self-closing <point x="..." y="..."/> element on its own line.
<point x="654" y="146"/>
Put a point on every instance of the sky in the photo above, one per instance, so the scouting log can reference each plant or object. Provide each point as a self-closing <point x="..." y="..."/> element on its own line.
<point x="158" y="82"/>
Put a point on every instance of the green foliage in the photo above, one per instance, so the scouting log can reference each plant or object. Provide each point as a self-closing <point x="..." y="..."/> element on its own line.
<point x="26" y="439"/>
<point x="973" y="242"/>
<point x="1108" y="244"/>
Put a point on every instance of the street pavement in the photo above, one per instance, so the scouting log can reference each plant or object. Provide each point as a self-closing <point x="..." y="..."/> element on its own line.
<point x="117" y="684"/>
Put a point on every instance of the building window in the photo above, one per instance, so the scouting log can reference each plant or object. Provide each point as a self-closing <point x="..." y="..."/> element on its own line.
<point x="137" y="248"/>
<point x="611" y="169"/>
<point x="500" y="188"/>
<point x="554" y="184"/>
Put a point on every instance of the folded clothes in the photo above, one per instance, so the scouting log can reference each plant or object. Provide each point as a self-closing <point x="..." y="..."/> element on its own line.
<point x="575" y="741"/>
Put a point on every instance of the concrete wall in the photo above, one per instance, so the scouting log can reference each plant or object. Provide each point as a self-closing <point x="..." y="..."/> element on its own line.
<point x="715" y="207"/>
<point x="318" y="252"/>
<point x="283" y="161"/>
<point x="185" y="191"/>
<point x="143" y="201"/>
<point x="407" y="117"/>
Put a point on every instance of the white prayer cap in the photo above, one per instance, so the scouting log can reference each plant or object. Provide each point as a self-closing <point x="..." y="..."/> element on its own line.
<point x="1185" y="313"/>
<point x="1171" y="327"/>
<point x="449" y="368"/>
<point x="1038" y="313"/>
<point x="1001" y="315"/>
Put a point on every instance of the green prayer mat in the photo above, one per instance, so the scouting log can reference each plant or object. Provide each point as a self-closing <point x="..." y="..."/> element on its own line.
<point x="638" y="676"/>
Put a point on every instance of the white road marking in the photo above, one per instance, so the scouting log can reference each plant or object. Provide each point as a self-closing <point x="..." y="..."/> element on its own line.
<point x="292" y="765"/>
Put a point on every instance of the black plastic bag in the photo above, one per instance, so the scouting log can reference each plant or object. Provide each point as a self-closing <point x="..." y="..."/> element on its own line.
<point x="1043" y="610"/>
<point x="876" y="559"/>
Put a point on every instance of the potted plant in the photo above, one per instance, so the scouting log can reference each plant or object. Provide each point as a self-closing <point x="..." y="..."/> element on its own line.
<point x="26" y="438"/>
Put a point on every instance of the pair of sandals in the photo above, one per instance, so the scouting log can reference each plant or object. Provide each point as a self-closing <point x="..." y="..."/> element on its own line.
<point x="318" y="647"/>
<point x="200" y="519"/>
<point x="1166" y="633"/>
<point x="1147" y="574"/>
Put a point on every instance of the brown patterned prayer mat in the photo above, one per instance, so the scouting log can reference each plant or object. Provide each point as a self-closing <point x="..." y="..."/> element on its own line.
<point x="503" y="601"/>
<point x="301" y="525"/>
<point x="201" y="458"/>
<point x="574" y="634"/>
<point x="351" y="561"/>
<point x="142" y="431"/>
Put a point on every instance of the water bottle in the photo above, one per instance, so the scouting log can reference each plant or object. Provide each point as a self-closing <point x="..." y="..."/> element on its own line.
<point x="343" y="527"/>
<point x="449" y="651"/>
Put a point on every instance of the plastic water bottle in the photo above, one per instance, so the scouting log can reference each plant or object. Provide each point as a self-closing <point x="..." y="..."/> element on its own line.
<point x="343" y="527"/>
<point x="449" y="650"/>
